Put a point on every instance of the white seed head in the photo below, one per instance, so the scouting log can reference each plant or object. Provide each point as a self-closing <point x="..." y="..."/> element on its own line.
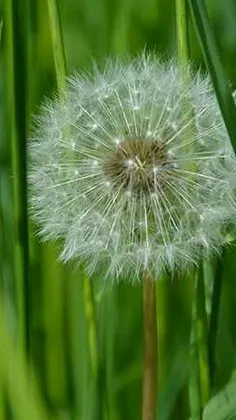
<point x="128" y="180"/>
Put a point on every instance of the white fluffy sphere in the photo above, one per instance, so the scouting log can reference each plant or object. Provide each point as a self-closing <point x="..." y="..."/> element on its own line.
<point x="133" y="170"/>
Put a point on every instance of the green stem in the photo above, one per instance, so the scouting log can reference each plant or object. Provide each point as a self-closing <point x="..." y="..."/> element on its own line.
<point x="56" y="380"/>
<point x="16" y="79"/>
<point x="76" y="330"/>
<point x="202" y="333"/>
<point x="2" y="398"/>
<point x="57" y="45"/>
<point x="162" y="326"/>
<point x="91" y="322"/>
<point x="182" y="31"/>
<point x="199" y="378"/>
<point x="93" y="343"/>
<point x="194" y="380"/>
<point x="1" y="26"/>
<point x="183" y="47"/>
<point x="214" y="315"/>
<point x="149" y="402"/>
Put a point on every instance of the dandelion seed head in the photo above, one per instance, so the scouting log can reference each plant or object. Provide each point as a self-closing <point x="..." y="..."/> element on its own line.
<point x="128" y="180"/>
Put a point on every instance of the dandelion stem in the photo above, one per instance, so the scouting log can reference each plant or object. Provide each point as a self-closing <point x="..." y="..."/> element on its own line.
<point x="150" y="350"/>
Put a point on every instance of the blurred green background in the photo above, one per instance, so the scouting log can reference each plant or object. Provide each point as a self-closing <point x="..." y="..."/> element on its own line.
<point x="58" y="336"/>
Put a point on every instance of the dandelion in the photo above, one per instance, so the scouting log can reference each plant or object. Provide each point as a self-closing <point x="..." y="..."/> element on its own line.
<point x="128" y="180"/>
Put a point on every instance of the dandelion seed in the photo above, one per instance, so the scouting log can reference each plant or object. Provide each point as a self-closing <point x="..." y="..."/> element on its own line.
<point x="125" y="186"/>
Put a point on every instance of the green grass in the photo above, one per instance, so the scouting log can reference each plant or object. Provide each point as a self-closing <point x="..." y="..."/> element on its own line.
<point x="60" y="362"/>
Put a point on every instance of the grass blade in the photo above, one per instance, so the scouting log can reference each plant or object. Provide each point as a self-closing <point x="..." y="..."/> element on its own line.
<point x="194" y="379"/>
<point x="212" y="60"/>
<point x="15" y="70"/>
<point x="182" y="31"/>
<point x="57" y="44"/>
<point x="56" y="380"/>
<point x="214" y="315"/>
<point x="202" y="332"/>
<point x="223" y="405"/>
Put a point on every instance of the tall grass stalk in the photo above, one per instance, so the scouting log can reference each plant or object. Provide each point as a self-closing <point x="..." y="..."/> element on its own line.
<point x="47" y="273"/>
<point x="214" y="316"/>
<point x="150" y="337"/>
<point x="78" y="351"/>
<point x="202" y="337"/>
<point x="183" y="49"/>
<point x="60" y="71"/>
<point x="194" y="377"/>
<point x="227" y="105"/>
<point x="199" y="377"/>
<point x="182" y="31"/>
<point x="1" y="184"/>
<point x="57" y="45"/>
<point x="16" y="80"/>
<point x="90" y="313"/>
<point x="2" y="399"/>
<point x="161" y="321"/>
<point x="91" y="323"/>
<point x="56" y="378"/>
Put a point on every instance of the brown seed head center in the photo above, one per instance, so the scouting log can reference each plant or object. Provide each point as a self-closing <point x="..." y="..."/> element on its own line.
<point x="139" y="166"/>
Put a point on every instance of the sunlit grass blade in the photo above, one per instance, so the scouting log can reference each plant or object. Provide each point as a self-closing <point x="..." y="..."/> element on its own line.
<point x="214" y="65"/>
<point x="20" y="385"/>
<point x="223" y="405"/>
<point x="16" y="79"/>
<point x="183" y="50"/>
<point x="57" y="44"/>
<point x="182" y="30"/>
<point x="2" y="398"/>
